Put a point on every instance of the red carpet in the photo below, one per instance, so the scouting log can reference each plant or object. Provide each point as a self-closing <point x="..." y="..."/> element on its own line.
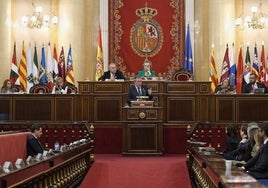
<point x="115" y="171"/>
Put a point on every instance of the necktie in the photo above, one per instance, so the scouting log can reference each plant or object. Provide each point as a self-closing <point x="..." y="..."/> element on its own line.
<point x="139" y="90"/>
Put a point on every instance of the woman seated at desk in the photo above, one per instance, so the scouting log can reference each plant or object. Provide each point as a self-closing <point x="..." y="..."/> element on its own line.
<point x="7" y="87"/>
<point x="60" y="87"/>
<point x="147" y="71"/>
<point x="225" y="88"/>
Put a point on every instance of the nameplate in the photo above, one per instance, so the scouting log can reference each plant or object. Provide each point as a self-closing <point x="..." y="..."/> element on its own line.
<point x="142" y="103"/>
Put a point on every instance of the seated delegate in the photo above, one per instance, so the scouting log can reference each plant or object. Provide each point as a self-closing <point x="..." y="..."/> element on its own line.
<point x="253" y="84"/>
<point x="147" y="71"/>
<point x="7" y="87"/>
<point x="60" y="87"/>
<point x="33" y="144"/>
<point x="112" y="74"/>
<point x="138" y="89"/>
<point x="258" y="165"/>
<point x="225" y="88"/>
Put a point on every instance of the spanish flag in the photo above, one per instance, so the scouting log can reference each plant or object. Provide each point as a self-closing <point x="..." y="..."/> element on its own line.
<point x="99" y="63"/>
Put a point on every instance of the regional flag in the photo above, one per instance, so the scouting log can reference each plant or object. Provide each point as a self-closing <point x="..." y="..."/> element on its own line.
<point x="263" y="66"/>
<point x="233" y="67"/>
<point x="49" y="68"/>
<point x="23" y="70"/>
<point x="239" y="73"/>
<point x="70" y="69"/>
<point x="55" y="64"/>
<point x="225" y="70"/>
<point x="14" y="75"/>
<point x="61" y="64"/>
<point x="99" y="63"/>
<point x="255" y="66"/>
<point x="35" y="67"/>
<point x="42" y="70"/>
<point x="188" y="57"/>
<point x="29" y="68"/>
<point x="213" y="76"/>
<point x="247" y="66"/>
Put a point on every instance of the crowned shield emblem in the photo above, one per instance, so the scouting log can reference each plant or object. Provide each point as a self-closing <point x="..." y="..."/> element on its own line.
<point x="146" y="36"/>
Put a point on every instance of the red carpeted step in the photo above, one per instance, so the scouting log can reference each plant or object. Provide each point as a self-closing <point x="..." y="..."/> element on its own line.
<point x="115" y="171"/>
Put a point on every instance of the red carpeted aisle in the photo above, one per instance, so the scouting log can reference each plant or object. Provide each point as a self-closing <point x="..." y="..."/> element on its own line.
<point x="115" y="171"/>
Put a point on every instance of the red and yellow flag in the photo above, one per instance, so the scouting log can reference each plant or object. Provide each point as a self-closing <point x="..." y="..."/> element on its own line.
<point x="23" y="69"/>
<point x="99" y="63"/>
<point x="213" y="77"/>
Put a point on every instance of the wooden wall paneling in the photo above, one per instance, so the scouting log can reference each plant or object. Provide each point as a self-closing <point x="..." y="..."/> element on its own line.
<point x="252" y="108"/>
<point x="64" y="108"/>
<point x="203" y="108"/>
<point x="32" y="107"/>
<point x="5" y="108"/>
<point x="108" y="108"/>
<point x="181" y="108"/>
<point x="225" y="108"/>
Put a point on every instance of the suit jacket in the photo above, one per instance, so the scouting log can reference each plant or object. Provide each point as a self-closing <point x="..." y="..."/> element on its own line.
<point x="33" y="146"/>
<point x="107" y="75"/>
<point x="133" y="93"/>
<point x="248" y="87"/>
<point x="243" y="151"/>
<point x="141" y="74"/>
<point x="258" y="165"/>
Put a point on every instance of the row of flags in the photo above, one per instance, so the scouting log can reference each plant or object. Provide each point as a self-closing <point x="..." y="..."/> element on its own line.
<point x="238" y="73"/>
<point x="30" y="71"/>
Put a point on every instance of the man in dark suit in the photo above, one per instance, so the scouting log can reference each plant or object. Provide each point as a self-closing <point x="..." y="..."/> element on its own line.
<point x="112" y="74"/>
<point x="252" y="85"/>
<point x="138" y="90"/>
<point x="33" y="145"/>
<point x="258" y="165"/>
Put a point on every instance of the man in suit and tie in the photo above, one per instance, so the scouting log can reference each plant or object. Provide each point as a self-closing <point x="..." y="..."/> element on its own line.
<point x="252" y="85"/>
<point x="138" y="89"/>
<point x="112" y="74"/>
<point x="258" y="165"/>
<point x="33" y="144"/>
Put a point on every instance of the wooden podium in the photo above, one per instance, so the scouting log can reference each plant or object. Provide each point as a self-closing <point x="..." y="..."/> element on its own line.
<point x="143" y="129"/>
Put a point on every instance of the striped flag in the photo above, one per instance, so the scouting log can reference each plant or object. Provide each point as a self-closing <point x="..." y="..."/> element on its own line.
<point x="213" y="77"/>
<point x="255" y="65"/>
<point x="233" y="67"/>
<point x="49" y="68"/>
<point x="188" y="56"/>
<point x="70" y="69"/>
<point x="99" y="64"/>
<point x="29" y="68"/>
<point x="42" y="70"/>
<point x="35" y="67"/>
<point x="55" y="64"/>
<point x="61" y="64"/>
<point x="239" y="74"/>
<point x="14" y="75"/>
<point x="247" y="66"/>
<point x="263" y="66"/>
<point x="23" y="69"/>
<point x="225" y="70"/>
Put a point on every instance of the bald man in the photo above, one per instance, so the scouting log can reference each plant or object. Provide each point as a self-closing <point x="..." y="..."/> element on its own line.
<point x="112" y="74"/>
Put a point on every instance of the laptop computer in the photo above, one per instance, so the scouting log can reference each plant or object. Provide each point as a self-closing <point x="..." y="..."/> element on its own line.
<point x="259" y="91"/>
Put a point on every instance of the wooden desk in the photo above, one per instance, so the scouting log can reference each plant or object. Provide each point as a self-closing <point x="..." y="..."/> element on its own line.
<point x="61" y="170"/>
<point x="209" y="170"/>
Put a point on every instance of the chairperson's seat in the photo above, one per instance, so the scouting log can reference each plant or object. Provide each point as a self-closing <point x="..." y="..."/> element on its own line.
<point x="40" y="88"/>
<point x="182" y="75"/>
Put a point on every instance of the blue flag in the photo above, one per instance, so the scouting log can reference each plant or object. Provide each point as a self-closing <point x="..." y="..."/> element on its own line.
<point x="188" y="57"/>
<point x="42" y="71"/>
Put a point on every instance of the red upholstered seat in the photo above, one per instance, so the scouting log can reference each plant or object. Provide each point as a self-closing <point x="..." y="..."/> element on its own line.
<point x="181" y="75"/>
<point x="71" y="89"/>
<point x="13" y="146"/>
<point x="40" y="88"/>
